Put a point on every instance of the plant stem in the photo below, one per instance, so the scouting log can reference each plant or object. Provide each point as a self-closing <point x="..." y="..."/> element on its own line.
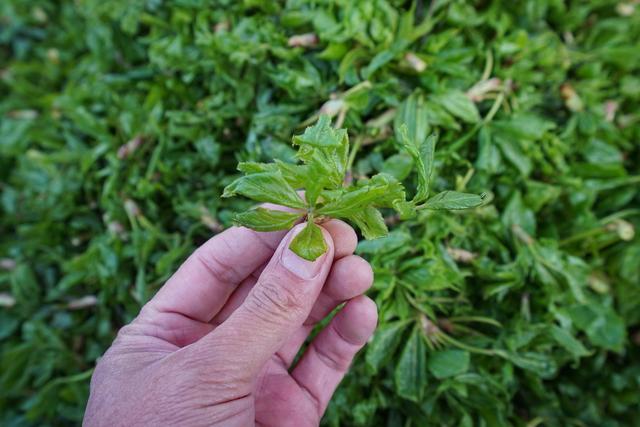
<point x="354" y="150"/>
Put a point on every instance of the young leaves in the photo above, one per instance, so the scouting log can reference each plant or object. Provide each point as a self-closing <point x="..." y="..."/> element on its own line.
<point x="324" y="153"/>
<point x="309" y="243"/>
<point x="452" y="200"/>
<point x="261" y="219"/>
<point x="265" y="187"/>
<point x="423" y="155"/>
<point x="411" y="370"/>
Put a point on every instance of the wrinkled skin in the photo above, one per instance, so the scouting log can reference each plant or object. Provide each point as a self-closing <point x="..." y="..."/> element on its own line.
<point x="215" y="346"/>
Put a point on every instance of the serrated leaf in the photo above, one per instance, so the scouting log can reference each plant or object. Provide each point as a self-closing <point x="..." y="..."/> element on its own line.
<point x="325" y="151"/>
<point x="309" y="243"/>
<point x="411" y="370"/>
<point x="261" y="219"/>
<point x="423" y="153"/>
<point x="379" y="191"/>
<point x="295" y="175"/>
<point x="371" y="223"/>
<point x="406" y="210"/>
<point x="256" y="167"/>
<point x="452" y="200"/>
<point x="265" y="187"/>
<point x="321" y="135"/>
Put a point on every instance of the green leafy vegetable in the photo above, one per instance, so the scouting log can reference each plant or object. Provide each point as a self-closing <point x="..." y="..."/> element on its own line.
<point x="309" y="243"/>
<point x="261" y="219"/>
<point x="324" y="152"/>
<point x="454" y="200"/>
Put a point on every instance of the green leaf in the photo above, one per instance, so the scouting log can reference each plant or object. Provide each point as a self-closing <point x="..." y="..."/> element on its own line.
<point x="423" y="153"/>
<point x="540" y="364"/>
<point x="603" y="327"/>
<point x="321" y="135"/>
<point x="411" y="370"/>
<point x="448" y="363"/>
<point x="381" y="190"/>
<point x="458" y="104"/>
<point x="261" y="219"/>
<point x="309" y="243"/>
<point x="370" y="222"/>
<point x="412" y="115"/>
<point x="325" y="151"/>
<point x="265" y="187"/>
<point x="395" y="240"/>
<point x="255" y="167"/>
<point x="399" y="166"/>
<point x="293" y="174"/>
<point x="384" y="344"/>
<point x="452" y="200"/>
<point x="567" y="341"/>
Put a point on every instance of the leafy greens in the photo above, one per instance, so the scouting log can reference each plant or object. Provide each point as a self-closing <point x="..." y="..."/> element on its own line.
<point x="324" y="153"/>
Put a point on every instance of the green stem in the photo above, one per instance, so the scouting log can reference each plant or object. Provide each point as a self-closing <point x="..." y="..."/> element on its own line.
<point x="459" y="143"/>
<point x="454" y="342"/>
<point x="602" y="229"/>
<point x="488" y="66"/>
<point x="583" y="235"/>
<point x="352" y="156"/>
<point x="619" y="182"/>
<point x="476" y="319"/>
<point x="619" y="215"/>
<point x="494" y="108"/>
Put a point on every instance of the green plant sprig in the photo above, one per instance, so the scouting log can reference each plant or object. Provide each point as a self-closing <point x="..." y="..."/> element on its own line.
<point x="324" y="155"/>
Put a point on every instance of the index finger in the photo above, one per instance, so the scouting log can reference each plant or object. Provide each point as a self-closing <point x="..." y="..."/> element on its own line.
<point x="204" y="282"/>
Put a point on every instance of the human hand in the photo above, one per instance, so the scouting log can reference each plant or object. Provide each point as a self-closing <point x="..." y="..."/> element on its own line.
<point x="216" y="344"/>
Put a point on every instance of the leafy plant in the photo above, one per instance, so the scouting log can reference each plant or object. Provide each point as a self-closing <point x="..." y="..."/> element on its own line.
<point x="324" y="153"/>
<point x="121" y="123"/>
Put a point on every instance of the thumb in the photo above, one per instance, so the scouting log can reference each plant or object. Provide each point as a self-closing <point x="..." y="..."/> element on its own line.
<point x="276" y="307"/>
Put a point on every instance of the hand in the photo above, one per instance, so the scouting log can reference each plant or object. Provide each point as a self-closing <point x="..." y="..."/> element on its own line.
<point x="216" y="344"/>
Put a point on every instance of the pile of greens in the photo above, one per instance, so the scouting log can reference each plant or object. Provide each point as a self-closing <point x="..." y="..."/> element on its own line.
<point x="122" y="122"/>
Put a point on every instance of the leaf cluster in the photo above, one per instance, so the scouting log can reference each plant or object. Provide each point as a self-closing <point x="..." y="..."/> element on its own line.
<point x="324" y="153"/>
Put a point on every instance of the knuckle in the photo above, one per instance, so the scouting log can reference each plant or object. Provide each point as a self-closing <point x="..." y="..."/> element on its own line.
<point x="333" y="360"/>
<point x="271" y="298"/>
<point x="216" y="264"/>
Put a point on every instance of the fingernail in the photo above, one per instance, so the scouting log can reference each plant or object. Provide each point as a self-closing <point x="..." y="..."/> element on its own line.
<point x="297" y="265"/>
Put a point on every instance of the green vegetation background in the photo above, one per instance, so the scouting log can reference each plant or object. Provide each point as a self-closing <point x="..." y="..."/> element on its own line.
<point x="121" y="121"/>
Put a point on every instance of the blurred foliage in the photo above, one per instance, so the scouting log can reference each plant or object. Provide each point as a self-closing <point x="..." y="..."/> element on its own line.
<point x="122" y="121"/>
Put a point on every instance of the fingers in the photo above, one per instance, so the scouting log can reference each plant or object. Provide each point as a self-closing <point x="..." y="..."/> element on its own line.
<point x="274" y="309"/>
<point x="350" y="277"/>
<point x="206" y="279"/>
<point x="327" y="359"/>
<point x="344" y="242"/>
<point x="344" y="238"/>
